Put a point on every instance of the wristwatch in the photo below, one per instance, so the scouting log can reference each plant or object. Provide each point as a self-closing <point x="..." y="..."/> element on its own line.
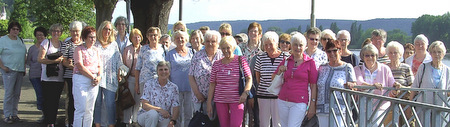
<point x="313" y="100"/>
<point x="247" y="92"/>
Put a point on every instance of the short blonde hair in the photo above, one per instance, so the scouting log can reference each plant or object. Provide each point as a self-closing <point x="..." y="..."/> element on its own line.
<point x="111" y="37"/>
<point x="227" y="27"/>
<point x="182" y="33"/>
<point x="180" y="23"/>
<point x="135" y="31"/>
<point x="368" y="48"/>
<point x="228" y="40"/>
<point x="437" y="44"/>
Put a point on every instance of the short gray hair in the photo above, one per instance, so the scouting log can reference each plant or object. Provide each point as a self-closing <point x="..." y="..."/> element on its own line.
<point x="395" y="45"/>
<point x="164" y="36"/>
<point x="120" y="19"/>
<point x="368" y="48"/>
<point x="298" y="39"/>
<point x="422" y="38"/>
<point x="76" y="24"/>
<point x="182" y="33"/>
<point x="380" y="32"/>
<point x="270" y="35"/>
<point x="211" y="33"/>
<point x="344" y="32"/>
<point x="163" y="63"/>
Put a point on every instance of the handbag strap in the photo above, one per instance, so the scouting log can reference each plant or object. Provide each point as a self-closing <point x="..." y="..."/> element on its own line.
<point x="423" y="72"/>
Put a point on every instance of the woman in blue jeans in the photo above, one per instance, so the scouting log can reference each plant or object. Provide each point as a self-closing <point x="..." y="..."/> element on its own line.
<point x="35" y="67"/>
<point x="12" y="64"/>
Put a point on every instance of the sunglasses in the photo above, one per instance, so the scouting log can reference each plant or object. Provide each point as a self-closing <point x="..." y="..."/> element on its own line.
<point x="326" y="39"/>
<point x="313" y="39"/>
<point x="332" y="50"/>
<point x="286" y="42"/>
<point x="225" y="34"/>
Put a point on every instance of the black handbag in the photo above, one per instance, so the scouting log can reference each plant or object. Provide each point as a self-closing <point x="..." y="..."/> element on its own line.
<point x="200" y="120"/>
<point x="313" y="122"/>
<point x="52" y="69"/>
<point x="124" y="97"/>
<point x="242" y="80"/>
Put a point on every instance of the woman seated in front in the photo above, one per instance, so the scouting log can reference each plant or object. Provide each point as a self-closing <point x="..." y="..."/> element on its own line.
<point x="159" y="100"/>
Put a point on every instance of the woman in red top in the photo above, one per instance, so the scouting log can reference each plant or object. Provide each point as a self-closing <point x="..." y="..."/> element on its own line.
<point x="224" y="85"/>
<point x="293" y="98"/>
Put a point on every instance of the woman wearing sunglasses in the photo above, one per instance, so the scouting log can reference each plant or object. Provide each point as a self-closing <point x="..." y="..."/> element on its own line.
<point x="285" y="45"/>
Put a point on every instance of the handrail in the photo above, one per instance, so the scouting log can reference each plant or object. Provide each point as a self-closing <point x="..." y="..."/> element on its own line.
<point x="368" y="118"/>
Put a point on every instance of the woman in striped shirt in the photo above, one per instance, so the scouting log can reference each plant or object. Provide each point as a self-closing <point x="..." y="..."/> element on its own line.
<point x="224" y="85"/>
<point x="266" y="64"/>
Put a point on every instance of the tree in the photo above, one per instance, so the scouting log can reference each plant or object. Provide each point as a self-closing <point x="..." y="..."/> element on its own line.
<point x="307" y="27"/>
<point x="291" y="30"/>
<point x="398" y="35"/>
<point x="20" y="15"/>
<point x="434" y="27"/>
<point x="275" y="29"/>
<point x="104" y="10"/>
<point x="150" y="13"/>
<point x="48" y="12"/>
<point x="299" y="28"/>
<point x="334" y="27"/>
<point x="355" y="35"/>
<point x="321" y="28"/>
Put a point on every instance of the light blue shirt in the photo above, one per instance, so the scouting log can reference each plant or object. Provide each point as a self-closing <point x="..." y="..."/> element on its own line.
<point x="179" y="68"/>
<point x="12" y="53"/>
<point x="237" y="51"/>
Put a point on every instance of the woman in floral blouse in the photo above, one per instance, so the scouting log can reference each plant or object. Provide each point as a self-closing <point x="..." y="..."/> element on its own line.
<point x="160" y="102"/>
<point x="112" y="60"/>
<point x="148" y="58"/>
<point x="200" y="69"/>
<point x="336" y="73"/>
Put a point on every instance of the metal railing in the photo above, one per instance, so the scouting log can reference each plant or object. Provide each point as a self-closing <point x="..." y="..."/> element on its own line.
<point x="364" y="105"/>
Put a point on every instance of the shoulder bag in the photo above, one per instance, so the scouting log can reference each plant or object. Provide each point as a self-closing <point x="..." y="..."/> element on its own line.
<point x="277" y="82"/>
<point x="199" y="119"/>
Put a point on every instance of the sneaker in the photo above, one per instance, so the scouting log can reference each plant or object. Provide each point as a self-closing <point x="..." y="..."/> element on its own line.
<point x="15" y="118"/>
<point x="8" y="120"/>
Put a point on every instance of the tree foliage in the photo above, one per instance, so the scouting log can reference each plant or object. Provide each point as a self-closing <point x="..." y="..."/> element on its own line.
<point x="334" y="27"/>
<point x="20" y="15"/>
<point x="291" y="30"/>
<point x="434" y="27"/>
<point x="299" y="28"/>
<point x="3" y="27"/>
<point x="48" y="12"/>
<point x="275" y="29"/>
<point x="355" y="35"/>
<point x="398" y="35"/>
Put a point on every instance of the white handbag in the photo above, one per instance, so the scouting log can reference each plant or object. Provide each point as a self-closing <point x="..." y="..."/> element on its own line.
<point x="277" y="82"/>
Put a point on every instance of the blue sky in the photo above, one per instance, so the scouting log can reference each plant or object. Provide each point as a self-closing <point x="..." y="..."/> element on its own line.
<point x="224" y="10"/>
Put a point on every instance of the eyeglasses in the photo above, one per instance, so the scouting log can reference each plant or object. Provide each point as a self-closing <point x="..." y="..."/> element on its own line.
<point x="107" y="29"/>
<point x="313" y="39"/>
<point x="121" y="24"/>
<point x="56" y="31"/>
<point x="16" y="29"/>
<point x="225" y="34"/>
<point x="332" y="50"/>
<point x="326" y="39"/>
<point x="371" y="55"/>
<point x="286" y="42"/>
<point x="343" y="40"/>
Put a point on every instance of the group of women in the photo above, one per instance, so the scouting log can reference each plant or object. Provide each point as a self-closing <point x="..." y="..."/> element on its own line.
<point x="92" y="62"/>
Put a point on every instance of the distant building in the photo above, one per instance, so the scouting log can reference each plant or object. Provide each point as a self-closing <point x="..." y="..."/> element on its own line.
<point x="3" y="14"/>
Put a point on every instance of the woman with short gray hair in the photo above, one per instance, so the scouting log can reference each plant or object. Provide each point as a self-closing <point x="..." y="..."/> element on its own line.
<point x="122" y="40"/>
<point x="373" y="73"/>
<point x="75" y="32"/>
<point x="348" y="56"/>
<point x="421" y="55"/>
<point x="432" y="75"/>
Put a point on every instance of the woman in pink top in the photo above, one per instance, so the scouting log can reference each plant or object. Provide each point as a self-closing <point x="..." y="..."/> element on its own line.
<point x="224" y="85"/>
<point x="86" y="77"/>
<point x="373" y="73"/>
<point x="299" y="72"/>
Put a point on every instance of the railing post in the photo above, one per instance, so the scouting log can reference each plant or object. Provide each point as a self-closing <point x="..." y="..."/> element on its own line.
<point x="332" y="104"/>
<point x="362" y="111"/>
<point x="395" y="114"/>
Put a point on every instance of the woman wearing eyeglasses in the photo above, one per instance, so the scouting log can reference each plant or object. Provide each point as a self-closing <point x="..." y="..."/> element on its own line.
<point x="336" y="73"/>
<point x="344" y="39"/>
<point x="313" y="38"/>
<point x="284" y="44"/>
<point x="325" y="36"/>
<point x="373" y="73"/>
